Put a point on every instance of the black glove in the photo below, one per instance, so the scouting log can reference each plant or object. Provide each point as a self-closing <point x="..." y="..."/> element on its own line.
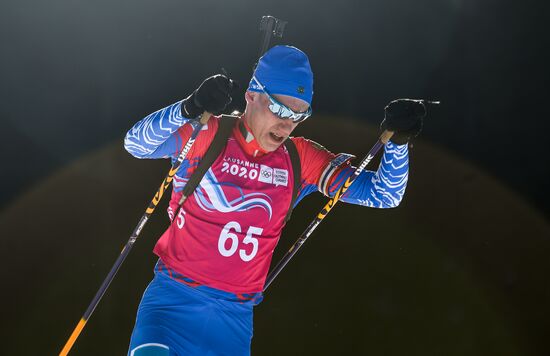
<point x="404" y="118"/>
<point x="213" y="95"/>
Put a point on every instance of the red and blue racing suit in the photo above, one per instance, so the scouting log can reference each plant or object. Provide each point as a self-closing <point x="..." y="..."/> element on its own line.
<point x="215" y="255"/>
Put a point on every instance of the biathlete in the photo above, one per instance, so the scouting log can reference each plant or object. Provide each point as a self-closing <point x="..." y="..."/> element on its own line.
<point x="215" y="255"/>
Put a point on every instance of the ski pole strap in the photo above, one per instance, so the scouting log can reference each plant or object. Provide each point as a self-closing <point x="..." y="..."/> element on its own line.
<point x="297" y="172"/>
<point x="227" y="122"/>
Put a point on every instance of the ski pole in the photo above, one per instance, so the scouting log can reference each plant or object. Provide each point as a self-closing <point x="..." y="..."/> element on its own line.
<point x="197" y="126"/>
<point x="271" y="26"/>
<point x="382" y="140"/>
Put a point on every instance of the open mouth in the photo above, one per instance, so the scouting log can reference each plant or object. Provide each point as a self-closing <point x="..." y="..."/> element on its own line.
<point x="276" y="138"/>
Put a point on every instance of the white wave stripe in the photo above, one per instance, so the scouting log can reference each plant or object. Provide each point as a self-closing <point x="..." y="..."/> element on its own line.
<point x="397" y="150"/>
<point x="140" y="137"/>
<point x="148" y="134"/>
<point x="132" y="140"/>
<point x="390" y="181"/>
<point x="150" y="137"/>
<point x="394" y="172"/>
<point x="365" y="202"/>
<point x="199" y="198"/>
<point x="389" y="160"/>
<point x="175" y="117"/>
<point x="135" y="149"/>
<point x="374" y="199"/>
<point x="389" y="199"/>
<point x="390" y="186"/>
<point x="401" y="192"/>
<point x="179" y="182"/>
<point x="395" y="163"/>
<point x="167" y="126"/>
<point x="212" y="189"/>
<point x="382" y="196"/>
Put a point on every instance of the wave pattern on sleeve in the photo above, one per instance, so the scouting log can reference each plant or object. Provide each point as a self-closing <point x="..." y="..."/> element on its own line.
<point x="147" y="135"/>
<point x="385" y="187"/>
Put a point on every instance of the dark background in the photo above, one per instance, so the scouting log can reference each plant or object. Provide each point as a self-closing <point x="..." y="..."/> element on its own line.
<point x="75" y="75"/>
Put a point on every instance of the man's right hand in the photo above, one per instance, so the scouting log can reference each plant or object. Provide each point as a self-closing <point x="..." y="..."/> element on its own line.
<point x="213" y="96"/>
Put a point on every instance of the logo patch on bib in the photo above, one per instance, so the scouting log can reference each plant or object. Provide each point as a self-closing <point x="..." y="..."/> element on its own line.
<point x="280" y="177"/>
<point x="266" y="174"/>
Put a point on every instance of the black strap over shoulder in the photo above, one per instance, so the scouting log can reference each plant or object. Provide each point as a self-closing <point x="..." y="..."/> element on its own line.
<point x="227" y="122"/>
<point x="297" y="171"/>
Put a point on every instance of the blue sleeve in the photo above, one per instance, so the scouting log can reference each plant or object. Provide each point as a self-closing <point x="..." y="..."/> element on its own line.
<point x="381" y="189"/>
<point x="153" y="136"/>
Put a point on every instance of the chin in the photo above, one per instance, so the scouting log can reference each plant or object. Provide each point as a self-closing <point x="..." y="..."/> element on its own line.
<point x="270" y="147"/>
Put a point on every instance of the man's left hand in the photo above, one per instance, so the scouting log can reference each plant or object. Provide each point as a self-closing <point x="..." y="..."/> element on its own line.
<point x="405" y="118"/>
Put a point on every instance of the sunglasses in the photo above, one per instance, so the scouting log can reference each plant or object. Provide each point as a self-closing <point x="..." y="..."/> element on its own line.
<point x="281" y="110"/>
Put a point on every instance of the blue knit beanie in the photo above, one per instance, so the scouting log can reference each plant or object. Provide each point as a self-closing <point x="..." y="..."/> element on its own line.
<point x="284" y="70"/>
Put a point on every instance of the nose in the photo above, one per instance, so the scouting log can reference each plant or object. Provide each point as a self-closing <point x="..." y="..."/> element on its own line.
<point x="287" y="125"/>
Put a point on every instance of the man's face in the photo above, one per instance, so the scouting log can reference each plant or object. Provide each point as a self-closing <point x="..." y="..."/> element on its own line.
<point x="269" y="130"/>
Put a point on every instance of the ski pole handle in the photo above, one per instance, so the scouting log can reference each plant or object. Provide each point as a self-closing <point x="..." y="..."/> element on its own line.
<point x="385" y="136"/>
<point x="205" y="116"/>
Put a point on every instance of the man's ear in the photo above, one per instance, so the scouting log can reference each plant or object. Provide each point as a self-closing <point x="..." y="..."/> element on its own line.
<point x="250" y="96"/>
